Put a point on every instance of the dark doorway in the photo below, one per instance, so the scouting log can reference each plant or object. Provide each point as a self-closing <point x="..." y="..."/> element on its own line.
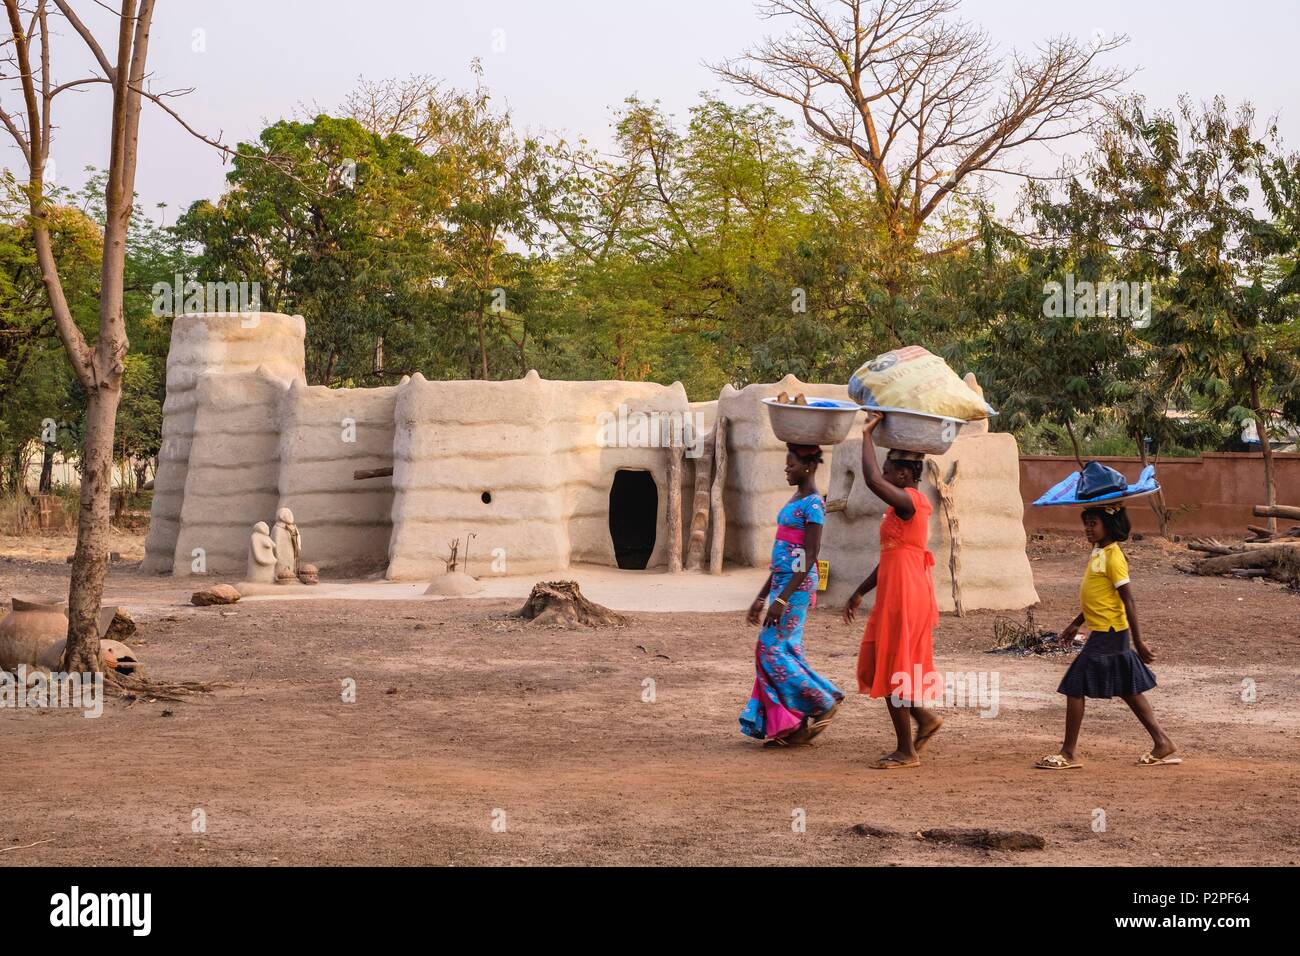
<point x="633" y="518"/>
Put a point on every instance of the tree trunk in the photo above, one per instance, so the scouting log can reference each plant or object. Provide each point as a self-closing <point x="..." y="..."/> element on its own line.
<point x="1270" y="483"/>
<point x="482" y="336"/>
<point x="1069" y="430"/>
<point x="47" y="470"/>
<point x="90" y="560"/>
<point x="107" y="359"/>
<point x="16" y="482"/>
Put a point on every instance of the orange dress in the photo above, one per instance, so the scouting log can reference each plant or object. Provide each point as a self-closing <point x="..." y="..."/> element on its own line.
<point x="897" y="653"/>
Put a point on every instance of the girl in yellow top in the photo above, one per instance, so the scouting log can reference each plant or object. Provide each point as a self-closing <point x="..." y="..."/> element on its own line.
<point x="1110" y="664"/>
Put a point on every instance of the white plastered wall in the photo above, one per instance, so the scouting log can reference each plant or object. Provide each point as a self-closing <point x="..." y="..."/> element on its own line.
<point x="539" y="449"/>
<point x="232" y="480"/>
<point x="326" y="435"/>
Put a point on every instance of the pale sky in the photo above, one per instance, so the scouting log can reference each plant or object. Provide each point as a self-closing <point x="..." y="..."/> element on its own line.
<point x="567" y="63"/>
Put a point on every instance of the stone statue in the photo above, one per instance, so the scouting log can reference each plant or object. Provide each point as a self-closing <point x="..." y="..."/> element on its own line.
<point x="288" y="546"/>
<point x="261" y="555"/>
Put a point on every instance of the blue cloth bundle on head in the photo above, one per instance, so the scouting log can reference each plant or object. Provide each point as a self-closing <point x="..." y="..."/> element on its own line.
<point x="1097" y="479"/>
<point x="1102" y="489"/>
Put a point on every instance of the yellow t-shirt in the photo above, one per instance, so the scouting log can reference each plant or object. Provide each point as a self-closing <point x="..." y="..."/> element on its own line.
<point x="1099" y="592"/>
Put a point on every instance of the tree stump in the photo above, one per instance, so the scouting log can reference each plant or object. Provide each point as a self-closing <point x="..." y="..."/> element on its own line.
<point x="561" y="604"/>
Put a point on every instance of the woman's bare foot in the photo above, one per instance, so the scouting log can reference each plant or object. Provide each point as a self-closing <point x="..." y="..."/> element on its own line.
<point x="795" y="738"/>
<point x="1163" y="748"/>
<point x="925" y="729"/>
<point x="819" y="722"/>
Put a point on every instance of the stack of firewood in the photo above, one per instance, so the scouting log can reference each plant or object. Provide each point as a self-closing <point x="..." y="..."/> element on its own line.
<point x="1265" y="553"/>
<point x="1256" y="534"/>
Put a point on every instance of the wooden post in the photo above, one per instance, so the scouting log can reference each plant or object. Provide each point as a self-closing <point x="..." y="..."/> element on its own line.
<point x="675" y="452"/>
<point x="719" y="486"/>
<point x="948" y="503"/>
<point x="1276" y="511"/>
<point x="1266" y="446"/>
<point x="700" y="503"/>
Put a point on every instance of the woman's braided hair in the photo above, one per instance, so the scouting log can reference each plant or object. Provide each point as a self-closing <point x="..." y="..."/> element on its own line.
<point x="808" y="454"/>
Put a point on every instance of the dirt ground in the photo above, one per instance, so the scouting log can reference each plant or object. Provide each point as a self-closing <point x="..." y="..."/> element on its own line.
<point x="477" y="740"/>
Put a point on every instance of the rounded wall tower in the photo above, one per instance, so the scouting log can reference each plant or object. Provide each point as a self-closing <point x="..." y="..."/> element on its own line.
<point x="213" y="342"/>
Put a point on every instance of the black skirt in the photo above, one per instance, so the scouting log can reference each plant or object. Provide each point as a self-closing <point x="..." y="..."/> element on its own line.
<point x="1107" y="667"/>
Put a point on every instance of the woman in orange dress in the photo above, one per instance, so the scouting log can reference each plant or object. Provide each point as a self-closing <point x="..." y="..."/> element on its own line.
<point x="896" y="660"/>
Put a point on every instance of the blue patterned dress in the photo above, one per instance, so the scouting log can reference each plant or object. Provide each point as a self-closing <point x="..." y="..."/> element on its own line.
<point x="786" y="689"/>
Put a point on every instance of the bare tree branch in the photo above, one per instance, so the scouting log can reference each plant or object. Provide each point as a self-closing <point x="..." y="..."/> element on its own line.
<point x="105" y="63"/>
<point x="918" y="98"/>
<point x="36" y="149"/>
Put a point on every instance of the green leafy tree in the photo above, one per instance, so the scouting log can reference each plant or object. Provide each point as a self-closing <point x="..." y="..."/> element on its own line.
<point x="34" y="385"/>
<point x="1176" y="194"/>
<point x="335" y="223"/>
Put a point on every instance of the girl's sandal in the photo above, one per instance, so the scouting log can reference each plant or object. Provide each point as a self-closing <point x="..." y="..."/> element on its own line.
<point x="893" y="763"/>
<point x="1151" y="760"/>
<point x="823" y="720"/>
<point x="1056" y="762"/>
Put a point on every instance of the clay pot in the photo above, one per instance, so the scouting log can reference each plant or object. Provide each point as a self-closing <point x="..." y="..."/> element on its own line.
<point x="113" y="655"/>
<point x="35" y="633"/>
<point x="308" y="574"/>
<point x="27" y="631"/>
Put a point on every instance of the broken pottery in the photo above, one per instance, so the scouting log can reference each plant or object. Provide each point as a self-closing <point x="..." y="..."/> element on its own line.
<point x="30" y="628"/>
<point x="35" y="633"/>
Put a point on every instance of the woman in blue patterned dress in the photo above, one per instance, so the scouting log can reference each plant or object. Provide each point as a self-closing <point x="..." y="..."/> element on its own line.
<point x="791" y="703"/>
